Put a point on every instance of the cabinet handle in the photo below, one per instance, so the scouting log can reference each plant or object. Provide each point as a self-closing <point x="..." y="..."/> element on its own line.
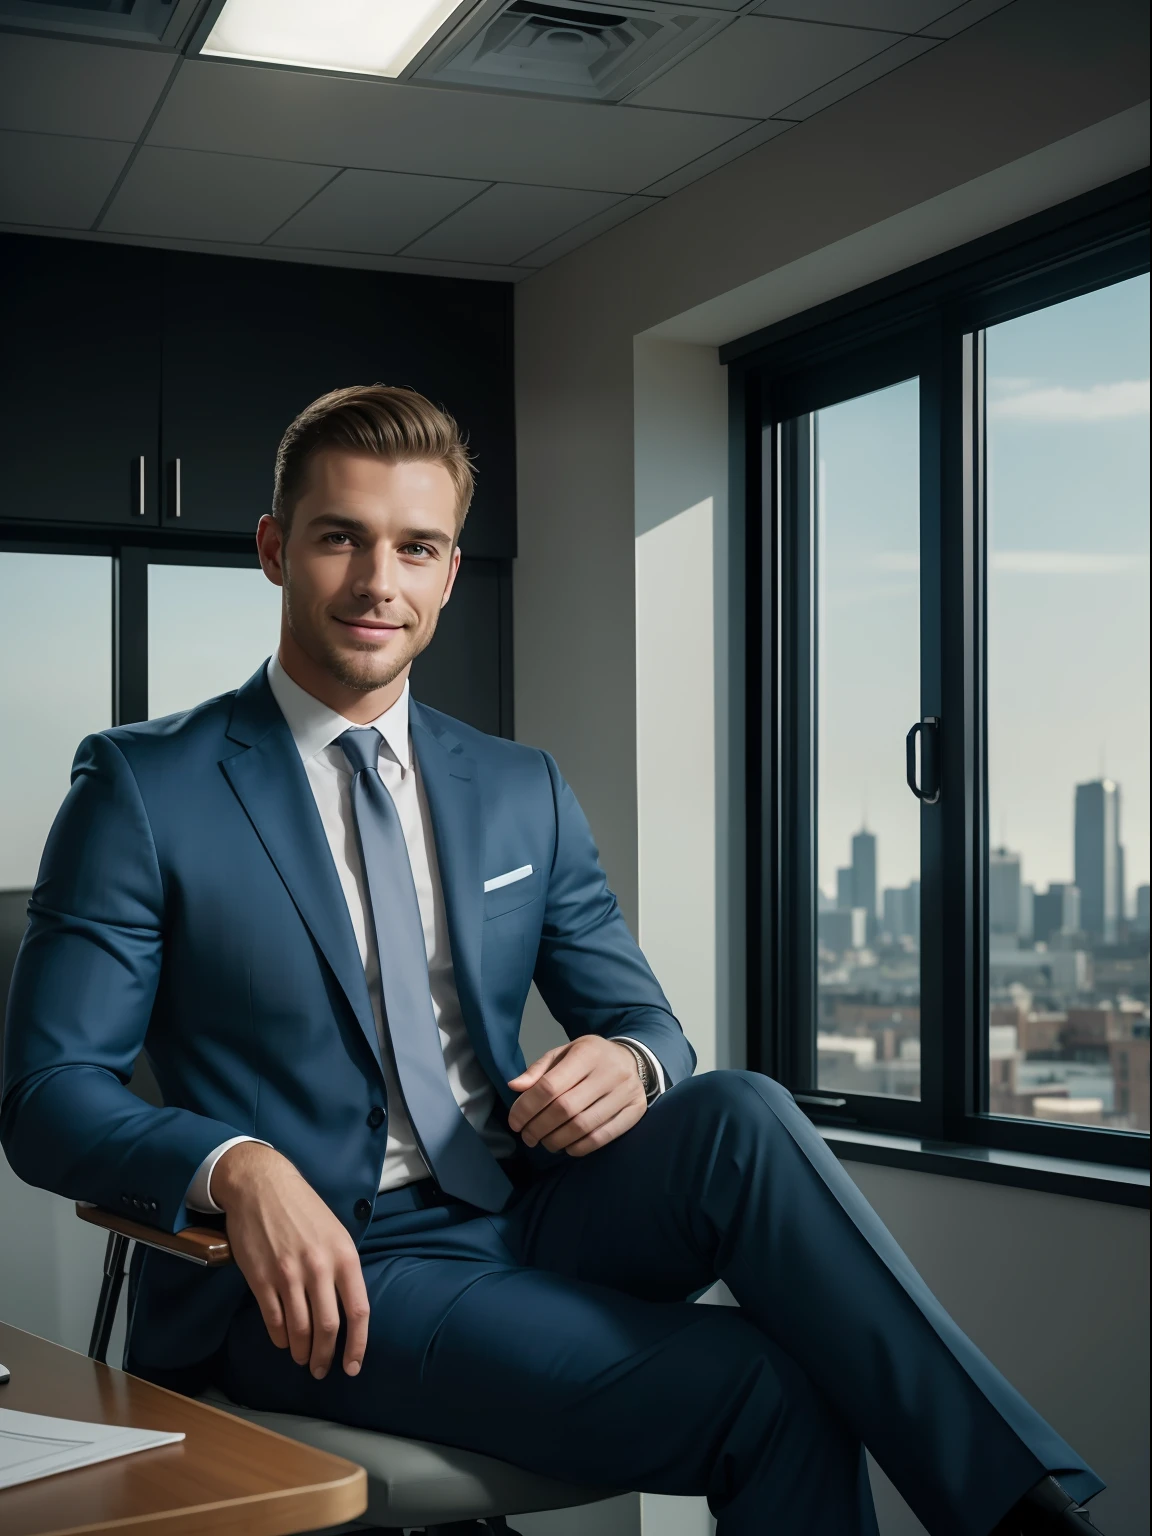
<point x="176" y="497"/>
<point x="140" y="483"/>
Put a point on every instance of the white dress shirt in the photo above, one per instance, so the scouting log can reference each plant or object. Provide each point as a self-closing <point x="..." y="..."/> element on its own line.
<point x="314" y="729"/>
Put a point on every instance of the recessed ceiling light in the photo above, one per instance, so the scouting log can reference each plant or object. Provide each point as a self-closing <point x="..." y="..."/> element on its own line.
<point x="364" y="37"/>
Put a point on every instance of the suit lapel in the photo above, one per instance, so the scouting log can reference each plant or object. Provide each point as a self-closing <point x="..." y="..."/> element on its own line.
<point x="268" y="779"/>
<point x="448" y="776"/>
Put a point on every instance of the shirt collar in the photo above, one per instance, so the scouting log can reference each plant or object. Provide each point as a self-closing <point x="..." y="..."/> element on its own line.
<point x="314" y="726"/>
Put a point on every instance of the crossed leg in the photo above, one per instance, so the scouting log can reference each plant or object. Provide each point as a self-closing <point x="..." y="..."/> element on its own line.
<point x="725" y="1177"/>
<point x="576" y="1380"/>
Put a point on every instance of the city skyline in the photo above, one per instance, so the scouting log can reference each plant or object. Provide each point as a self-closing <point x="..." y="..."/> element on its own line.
<point x="857" y="884"/>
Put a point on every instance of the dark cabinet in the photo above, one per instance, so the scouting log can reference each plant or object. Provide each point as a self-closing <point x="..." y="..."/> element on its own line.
<point x="248" y="344"/>
<point x="79" y="381"/>
<point x="123" y="368"/>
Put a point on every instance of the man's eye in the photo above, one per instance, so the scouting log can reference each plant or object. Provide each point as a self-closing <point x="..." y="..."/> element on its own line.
<point x="419" y="548"/>
<point x="331" y="538"/>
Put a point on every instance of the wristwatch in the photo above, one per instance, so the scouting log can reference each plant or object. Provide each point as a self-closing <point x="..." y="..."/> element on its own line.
<point x="648" y="1077"/>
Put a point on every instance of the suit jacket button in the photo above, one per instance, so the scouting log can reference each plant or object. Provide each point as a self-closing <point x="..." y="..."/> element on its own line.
<point x="375" y="1117"/>
<point x="362" y="1210"/>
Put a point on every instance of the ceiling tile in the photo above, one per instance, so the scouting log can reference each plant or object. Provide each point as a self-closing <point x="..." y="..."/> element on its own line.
<point x="375" y="211"/>
<point x="48" y="85"/>
<point x="891" y="15"/>
<point x="600" y="223"/>
<point x="184" y="193"/>
<point x="902" y="51"/>
<point x="57" y="181"/>
<point x="750" y="139"/>
<point x="384" y="125"/>
<point x="506" y="223"/>
<point x="961" y="17"/>
<point x="758" y="65"/>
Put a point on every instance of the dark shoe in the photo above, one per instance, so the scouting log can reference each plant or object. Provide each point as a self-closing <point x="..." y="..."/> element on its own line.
<point x="1047" y="1511"/>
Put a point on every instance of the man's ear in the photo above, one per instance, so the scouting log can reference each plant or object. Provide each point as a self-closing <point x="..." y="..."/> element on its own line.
<point x="270" y="548"/>
<point x="455" y="559"/>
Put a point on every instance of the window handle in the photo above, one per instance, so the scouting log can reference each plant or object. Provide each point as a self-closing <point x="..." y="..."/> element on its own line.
<point x="140" y="486"/>
<point x="928" y="730"/>
<point x="176" y="488"/>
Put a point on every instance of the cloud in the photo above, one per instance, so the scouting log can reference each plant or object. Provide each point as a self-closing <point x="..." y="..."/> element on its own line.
<point x="1123" y="399"/>
<point x="1066" y="562"/>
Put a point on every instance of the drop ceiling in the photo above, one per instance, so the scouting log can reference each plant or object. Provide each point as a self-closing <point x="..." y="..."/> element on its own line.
<point x="148" y="142"/>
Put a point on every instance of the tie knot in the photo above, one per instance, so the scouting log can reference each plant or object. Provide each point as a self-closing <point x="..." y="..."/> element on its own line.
<point x="361" y="747"/>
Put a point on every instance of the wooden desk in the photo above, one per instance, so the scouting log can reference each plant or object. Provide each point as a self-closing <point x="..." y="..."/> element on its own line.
<point x="226" y="1478"/>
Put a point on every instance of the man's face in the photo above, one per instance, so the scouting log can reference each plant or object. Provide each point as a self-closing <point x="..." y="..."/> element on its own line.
<point x="368" y="564"/>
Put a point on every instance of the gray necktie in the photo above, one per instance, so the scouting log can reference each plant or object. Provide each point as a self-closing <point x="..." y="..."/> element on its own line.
<point x="456" y="1155"/>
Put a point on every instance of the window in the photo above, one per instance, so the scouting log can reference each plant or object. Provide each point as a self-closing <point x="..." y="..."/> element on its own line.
<point x="867" y="591"/>
<point x="59" y="609"/>
<point x="946" y="480"/>
<point x="209" y="628"/>
<point x="1067" y="414"/>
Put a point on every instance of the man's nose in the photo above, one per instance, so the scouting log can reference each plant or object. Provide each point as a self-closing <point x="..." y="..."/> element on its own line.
<point x="375" y="576"/>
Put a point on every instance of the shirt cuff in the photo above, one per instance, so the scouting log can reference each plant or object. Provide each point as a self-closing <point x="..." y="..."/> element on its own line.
<point x="199" y="1196"/>
<point x="661" y="1080"/>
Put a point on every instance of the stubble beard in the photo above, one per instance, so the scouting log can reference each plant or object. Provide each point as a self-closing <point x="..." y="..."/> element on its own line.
<point x="361" y="665"/>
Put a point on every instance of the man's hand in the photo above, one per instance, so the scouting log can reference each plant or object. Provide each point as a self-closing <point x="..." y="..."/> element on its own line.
<point x="295" y="1256"/>
<point x="578" y="1097"/>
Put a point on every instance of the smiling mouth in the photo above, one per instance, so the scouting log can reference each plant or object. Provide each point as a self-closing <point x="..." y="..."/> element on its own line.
<point x="372" y="626"/>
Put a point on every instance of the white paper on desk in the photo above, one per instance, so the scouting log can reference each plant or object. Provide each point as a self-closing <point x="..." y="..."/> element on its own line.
<point x="34" y="1445"/>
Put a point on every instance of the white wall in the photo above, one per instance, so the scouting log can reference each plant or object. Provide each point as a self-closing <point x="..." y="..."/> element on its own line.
<point x="627" y="634"/>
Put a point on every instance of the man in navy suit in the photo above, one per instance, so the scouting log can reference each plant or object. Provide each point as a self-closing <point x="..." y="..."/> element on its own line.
<point x="318" y="907"/>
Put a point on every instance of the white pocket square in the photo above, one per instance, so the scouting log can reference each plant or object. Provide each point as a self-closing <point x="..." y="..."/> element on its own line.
<point x="509" y="879"/>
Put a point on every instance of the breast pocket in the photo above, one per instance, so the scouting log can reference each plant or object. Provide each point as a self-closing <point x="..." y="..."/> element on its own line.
<point x="517" y="892"/>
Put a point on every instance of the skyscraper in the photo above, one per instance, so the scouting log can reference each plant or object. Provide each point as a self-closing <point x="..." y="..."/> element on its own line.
<point x="1004" y="893"/>
<point x="1099" y="866"/>
<point x="1056" y="911"/>
<point x="901" y="912"/>
<point x="864" y="873"/>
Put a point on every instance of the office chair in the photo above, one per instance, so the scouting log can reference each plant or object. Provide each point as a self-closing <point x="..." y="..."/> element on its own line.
<point x="411" y="1483"/>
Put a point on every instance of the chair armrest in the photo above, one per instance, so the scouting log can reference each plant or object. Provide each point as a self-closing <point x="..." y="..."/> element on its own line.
<point x="202" y="1245"/>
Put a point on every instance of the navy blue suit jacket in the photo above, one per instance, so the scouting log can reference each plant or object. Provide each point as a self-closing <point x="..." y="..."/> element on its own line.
<point x="188" y="904"/>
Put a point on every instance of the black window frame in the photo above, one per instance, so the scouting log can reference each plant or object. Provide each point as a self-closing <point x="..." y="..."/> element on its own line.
<point x="925" y="322"/>
<point x="132" y="551"/>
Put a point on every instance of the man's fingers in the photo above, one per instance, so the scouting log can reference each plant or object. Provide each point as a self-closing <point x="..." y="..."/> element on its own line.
<point x="588" y="1119"/>
<point x="536" y="1070"/>
<point x="273" y="1314"/>
<point x="558" y="1111"/>
<point x="298" y="1320"/>
<point x="325" y="1320"/>
<point x="606" y="1076"/>
<point x="603" y="1134"/>
<point x="562" y="1076"/>
<point x="354" y="1299"/>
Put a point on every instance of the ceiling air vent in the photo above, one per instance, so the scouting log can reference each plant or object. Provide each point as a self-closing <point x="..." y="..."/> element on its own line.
<point x="557" y="49"/>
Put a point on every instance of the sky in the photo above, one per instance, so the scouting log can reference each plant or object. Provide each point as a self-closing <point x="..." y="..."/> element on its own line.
<point x="1067" y="591"/>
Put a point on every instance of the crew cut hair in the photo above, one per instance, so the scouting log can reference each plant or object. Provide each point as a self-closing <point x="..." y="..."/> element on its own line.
<point x="394" y="422"/>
